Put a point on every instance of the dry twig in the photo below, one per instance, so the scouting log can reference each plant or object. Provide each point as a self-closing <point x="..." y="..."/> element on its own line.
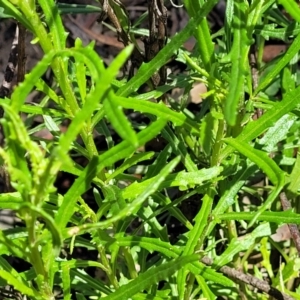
<point x="249" y="279"/>
<point x="157" y="36"/>
<point x="293" y="227"/>
<point x="16" y="56"/>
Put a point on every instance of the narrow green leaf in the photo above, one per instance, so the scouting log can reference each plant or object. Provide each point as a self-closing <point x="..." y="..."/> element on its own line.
<point x="124" y="149"/>
<point x="190" y="179"/>
<point x="255" y="11"/>
<point x="74" y="263"/>
<point x="264" y="162"/>
<point x="13" y="241"/>
<point x="90" y="282"/>
<point x="80" y="296"/>
<point x="54" y="22"/>
<point x="160" y="161"/>
<point x="18" y="143"/>
<point x="115" y="114"/>
<point x="181" y="179"/>
<point x="277" y="133"/>
<point x="55" y="232"/>
<point x="292" y="8"/>
<point x="65" y="8"/>
<point x="270" y="31"/>
<point x="170" y="206"/>
<point x="240" y="49"/>
<point x="179" y="148"/>
<point x="11" y="11"/>
<point x="103" y="83"/>
<point x="51" y="125"/>
<point x="229" y="14"/>
<point x="86" y="54"/>
<point x="127" y="164"/>
<point x="157" y="229"/>
<point x="284" y="217"/>
<point x="82" y="183"/>
<point x="170" y="251"/>
<point x="294" y="184"/>
<point x="238" y="245"/>
<point x="134" y="206"/>
<point x="267" y="204"/>
<point x="4" y="15"/>
<point x="148" y="69"/>
<point x="194" y="238"/>
<point x="81" y="79"/>
<point x="288" y="80"/>
<point x="152" y="276"/>
<point x="289" y="270"/>
<point x="10" y="200"/>
<point x="201" y="221"/>
<point x="160" y="110"/>
<point x="113" y="195"/>
<point x="19" y="285"/>
<point x="290" y="53"/>
<point x="207" y="293"/>
<point x="235" y="183"/>
<point x="208" y="131"/>
<point x="256" y="128"/>
<point x="202" y="33"/>
<point x="36" y="110"/>
<point x="260" y="158"/>
<point x="228" y="197"/>
<point x="66" y="282"/>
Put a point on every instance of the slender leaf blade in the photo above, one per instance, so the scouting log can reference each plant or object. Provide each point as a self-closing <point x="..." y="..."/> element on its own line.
<point x="283" y="217"/>
<point x="148" y="69"/>
<point x="19" y="285"/>
<point x="260" y="158"/>
<point x="82" y="183"/>
<point x="240" y="49"/>
<point x="290" y="53"/>
<point x="292" y="8"/>
<point x="114" y="112"/>
<point x="152" y="276"/>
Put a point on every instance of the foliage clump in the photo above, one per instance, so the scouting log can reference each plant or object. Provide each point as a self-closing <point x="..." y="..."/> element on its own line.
<point x="235" y="159"/>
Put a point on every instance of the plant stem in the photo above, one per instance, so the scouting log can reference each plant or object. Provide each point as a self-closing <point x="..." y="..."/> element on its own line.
<point x="35" y="255"/>
<point x="202" y="34"/>
<point x="106" y="264"/>
<point x="130" y="262"/>
<point x="217" y="146"/>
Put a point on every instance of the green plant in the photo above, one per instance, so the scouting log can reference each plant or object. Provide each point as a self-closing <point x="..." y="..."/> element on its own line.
<point x="212" y="156"/>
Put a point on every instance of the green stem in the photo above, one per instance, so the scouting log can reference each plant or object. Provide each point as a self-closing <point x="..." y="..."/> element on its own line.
<point x="189" y="287"/>
<point x="232" y="234"/>
<point x="58" y="65"/>
<point x="202" y="34"/>
<point x="59" y="68"/>
<point x="88" y="139"/>
<point x="106" y="264"/>
<point x="201" y="226"/>
<point x="35" y="255"/>
<point x="130" y="263"/>
<point x="218" y="144"/>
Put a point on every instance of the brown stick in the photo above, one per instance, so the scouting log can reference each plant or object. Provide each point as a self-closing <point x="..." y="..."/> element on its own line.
<point x="16" y="56"/>
<point x="108" y="9"/>
<point x="157" y="37"/>
<point x="249" y="279"/>
<point x="10" y="69"/>
<point x="21" y="53"/>
<point x="293" y="227"/>
<point x="106" y="40"/>
<point x="254" y="72"/>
